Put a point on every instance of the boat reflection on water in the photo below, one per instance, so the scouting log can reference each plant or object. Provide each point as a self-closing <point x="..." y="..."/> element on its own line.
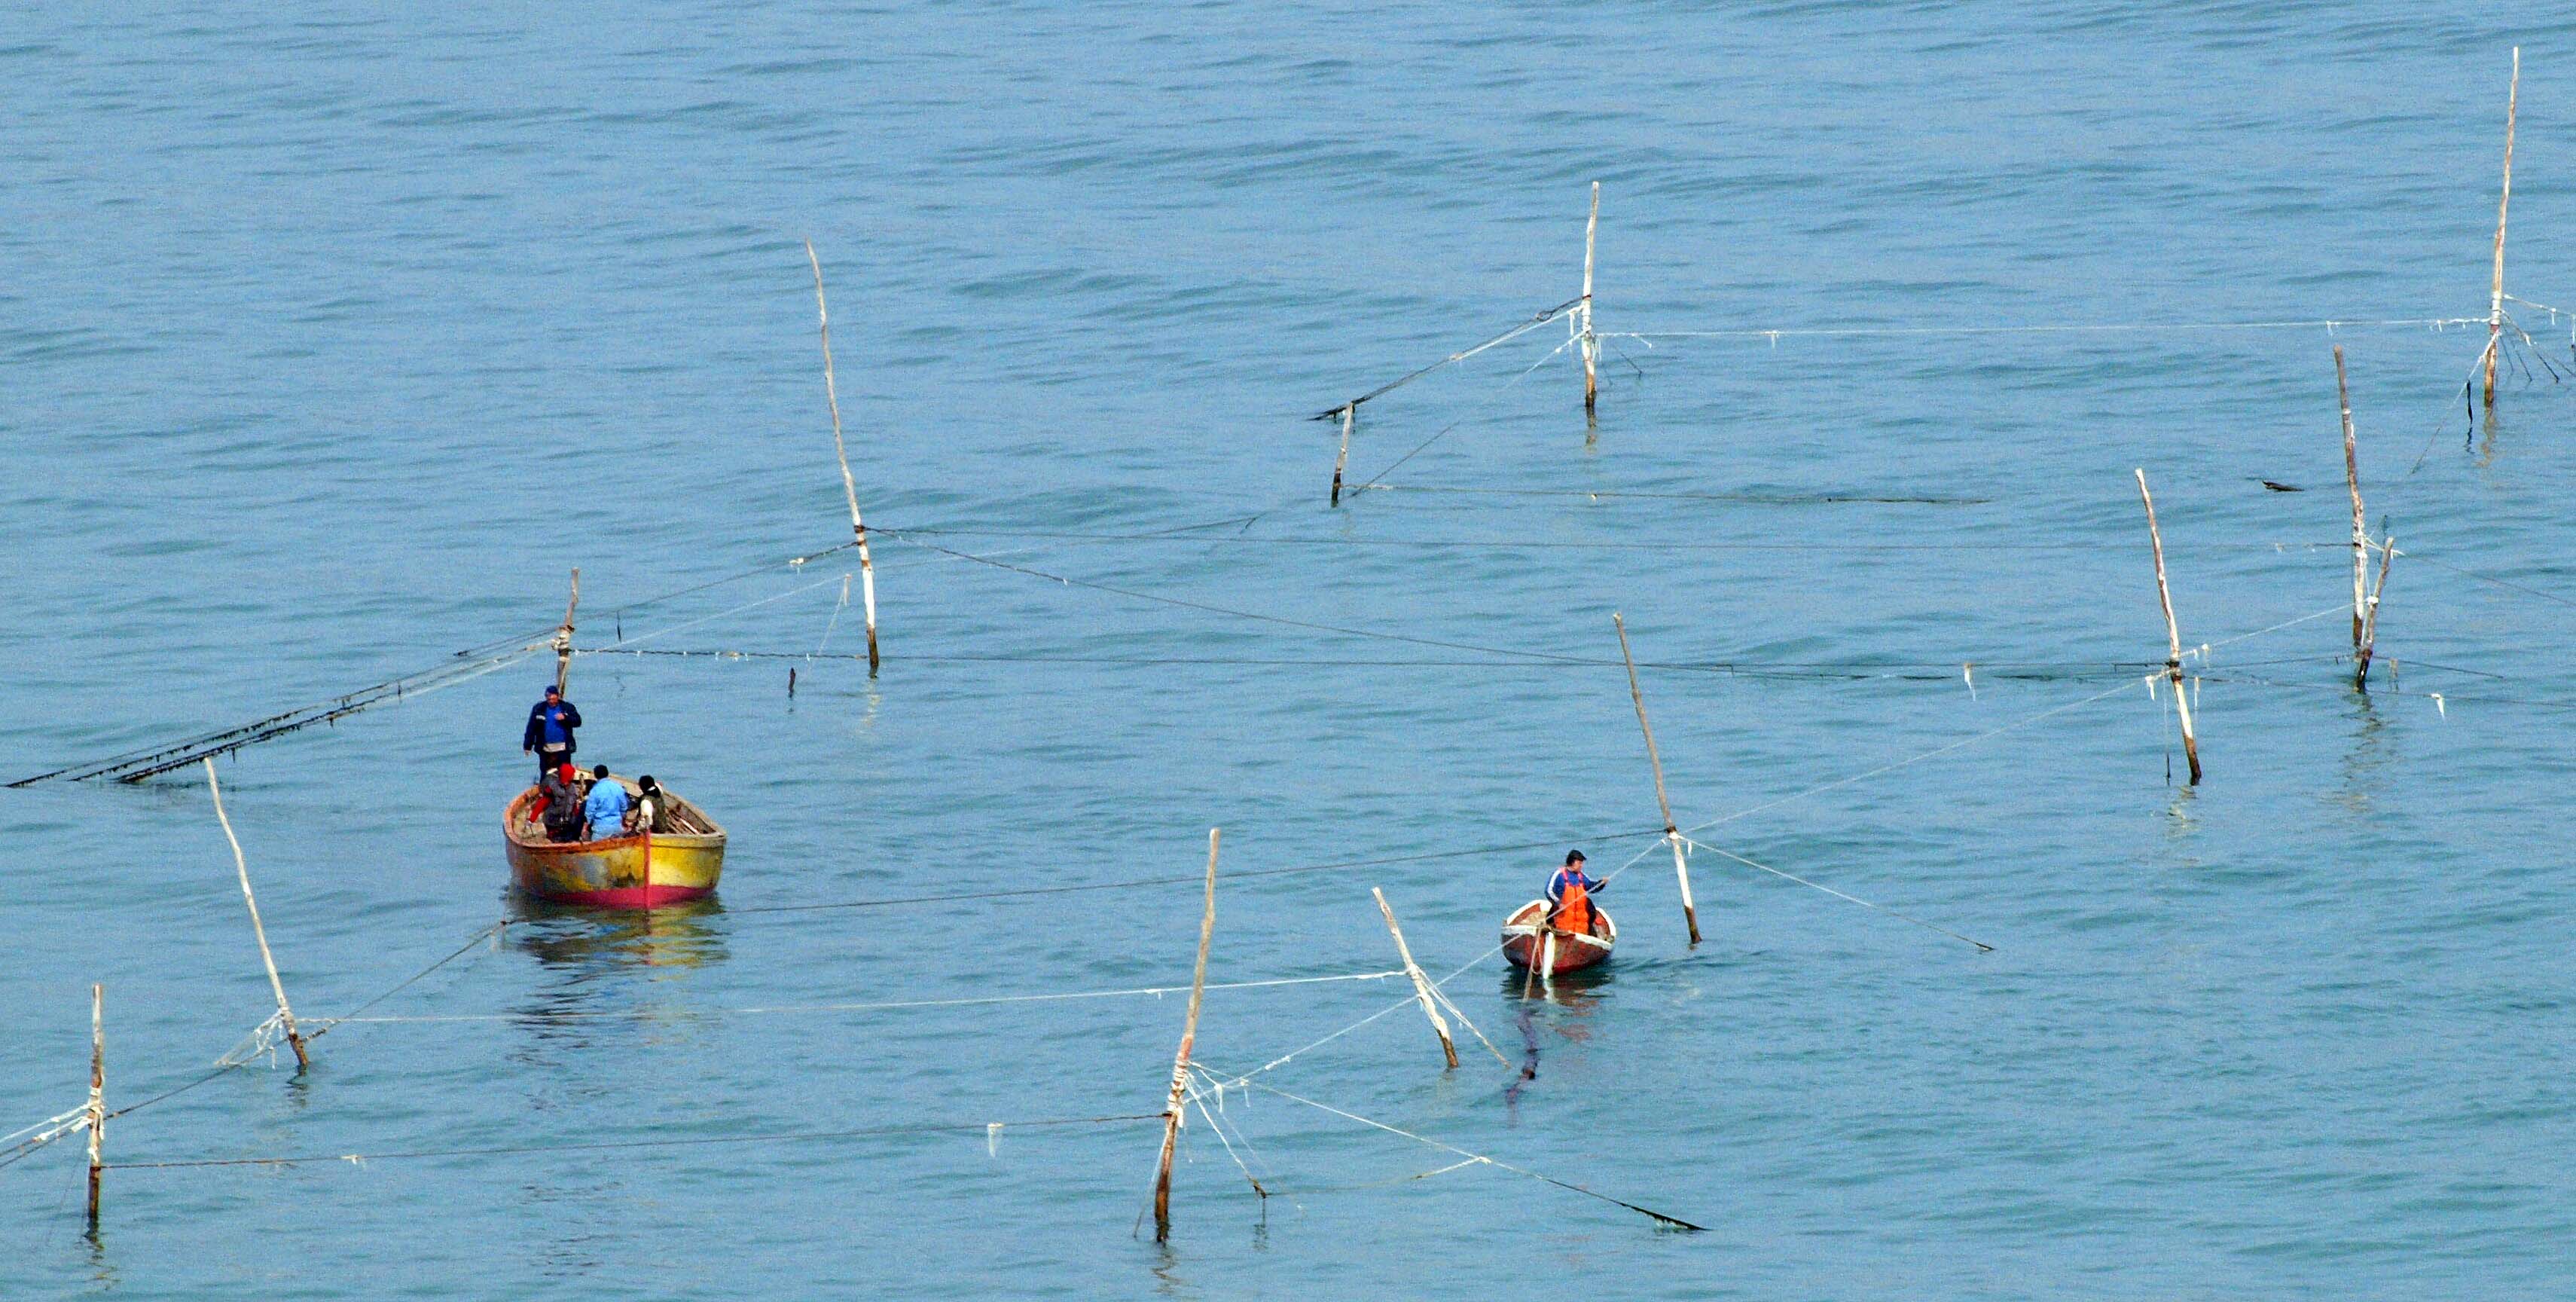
<point x="590" y="941"/>
<point x="1578" y="990"/>
<point x="1579" y="993"/>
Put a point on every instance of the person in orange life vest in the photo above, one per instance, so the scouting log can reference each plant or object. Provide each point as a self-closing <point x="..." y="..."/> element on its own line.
<point x="1569" y="896"/>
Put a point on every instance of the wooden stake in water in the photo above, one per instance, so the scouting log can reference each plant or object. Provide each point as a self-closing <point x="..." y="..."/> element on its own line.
<point x="2352" y="479"/>
<point x="2370" y="627"/>
<point x="1591" y="345"/>
<point x="2495" y="299"/>
<point x="97" y="1092"/>
<point x="1344" y="459"/>
<point x="2173" y="637"/>
<point x="1672" y="835"/>
<point x="1181" y="1060"/>
<point x="1421" y="983"/>
<point x="285" y="1015"/>
<point x="563" y="636"/>
<point x="849" y="486"/>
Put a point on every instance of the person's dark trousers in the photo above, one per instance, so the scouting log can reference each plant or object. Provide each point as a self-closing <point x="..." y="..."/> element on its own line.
<point x="549" y="760"/>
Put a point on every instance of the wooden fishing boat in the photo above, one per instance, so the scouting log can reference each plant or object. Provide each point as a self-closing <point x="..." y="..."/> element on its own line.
<point x="1529" y="943"/>
<point x="643" y="871"/>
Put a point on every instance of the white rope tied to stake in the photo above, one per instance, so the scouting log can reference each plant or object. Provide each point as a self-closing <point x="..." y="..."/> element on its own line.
<point x="262" y="1041"/>
<point x="1471" y="1157"/>
<point x="53" y="1125"/>
<point x="44" y="1132"/>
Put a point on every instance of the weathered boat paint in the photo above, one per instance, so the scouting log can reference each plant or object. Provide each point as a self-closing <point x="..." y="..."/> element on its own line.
<point x="643" y="871"/>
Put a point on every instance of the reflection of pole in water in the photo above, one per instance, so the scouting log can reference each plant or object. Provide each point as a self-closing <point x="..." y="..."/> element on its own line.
<point x="1529" y="1054"/>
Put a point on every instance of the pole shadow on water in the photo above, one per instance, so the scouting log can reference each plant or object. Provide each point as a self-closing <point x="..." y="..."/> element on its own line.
<point x="1579" y="993"/>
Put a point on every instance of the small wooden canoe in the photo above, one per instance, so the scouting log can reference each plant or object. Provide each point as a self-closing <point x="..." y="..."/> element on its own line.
<point x="642" y="871"/>
<point x="1528" y="943"/>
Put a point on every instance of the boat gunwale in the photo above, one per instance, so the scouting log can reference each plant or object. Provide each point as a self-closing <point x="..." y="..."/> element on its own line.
<point x="1514" y="929"/>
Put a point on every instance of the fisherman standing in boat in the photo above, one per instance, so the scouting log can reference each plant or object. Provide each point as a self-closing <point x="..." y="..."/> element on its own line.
<point x="1569" y="896"/>
<point x="549" y="731"/>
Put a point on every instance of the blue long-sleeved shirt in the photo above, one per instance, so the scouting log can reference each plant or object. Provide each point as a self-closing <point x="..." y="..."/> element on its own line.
<point x="606" y="809"/>
<point x="1569" y="877"/>
<point x="550" y="724"/>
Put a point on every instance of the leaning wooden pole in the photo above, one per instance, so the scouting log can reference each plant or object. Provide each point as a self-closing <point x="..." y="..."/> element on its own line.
<point x="849" y="486"/>
<point x="1672" y="834"/>
<point x="1591" y="343"/>
<point x="2370" y="626"/>
<point x="2352" y="479"/>
<point x="1421" y="983"/>
<point x="563" y="636"/>
<point x="1343" y="460"/>
<point x="285" y="1015"/>
<point x="2173" y="637"/>
<point x="1181" y="1060"/>
<point x="2504" y="201"/>
<point x="97" y="1119"/>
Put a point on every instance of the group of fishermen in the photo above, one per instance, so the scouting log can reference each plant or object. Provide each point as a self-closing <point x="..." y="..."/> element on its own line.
<point x="572" y="806"/>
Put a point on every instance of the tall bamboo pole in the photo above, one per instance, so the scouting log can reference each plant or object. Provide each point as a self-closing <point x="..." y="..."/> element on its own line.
<point x="1181" y="1060"/>
<point x="2173" y="636"/>
<point x="2495" y="299"/>
<point x="1421" y="983"/>
<point x="2352" y="479"/>
<point x="849" y="486"/>
<point x="1591" y="345"/>
<point x="286" y="1015"/>
<point x="563" y="636"/>
<point x="1672" y="835"/>
<point x="97" y="1121"/>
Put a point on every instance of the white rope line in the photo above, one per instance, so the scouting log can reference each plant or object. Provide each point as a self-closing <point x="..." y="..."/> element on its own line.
<point x="835" y="620"/>
<point x="2441" y="422"/>
<point x="1891" y="767"/>
<point x="1491" y="396"/>
<point x="708" y="619"/>
<point x="1452" y="359"/>
<point x="1764" y="867"/>
<point x="60" y="1117"/>
<point x="2116" y="327"/>
<point x="1196" y="1096"/>
<point x="262" y="1040"/>
<point x="1441" y="997"/>
<point x="2203" y="649"/>
<point x="1156" y="991"/>
<point x="2554" y="312"/>
<point x="1472" y="1157"/>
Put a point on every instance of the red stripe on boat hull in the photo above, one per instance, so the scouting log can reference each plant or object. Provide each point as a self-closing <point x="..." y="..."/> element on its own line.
<point x="626" y="897"/>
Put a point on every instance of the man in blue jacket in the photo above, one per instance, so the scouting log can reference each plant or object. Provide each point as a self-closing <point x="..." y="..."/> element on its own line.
<point x="606" y="807"/>
<point x="549" y="731"/>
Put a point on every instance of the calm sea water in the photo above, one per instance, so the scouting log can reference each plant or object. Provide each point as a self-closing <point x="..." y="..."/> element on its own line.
<point x="332" y="339"/>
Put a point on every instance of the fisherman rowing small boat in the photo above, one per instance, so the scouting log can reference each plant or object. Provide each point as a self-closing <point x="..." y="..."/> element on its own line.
<point x="1564" y="930"/>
